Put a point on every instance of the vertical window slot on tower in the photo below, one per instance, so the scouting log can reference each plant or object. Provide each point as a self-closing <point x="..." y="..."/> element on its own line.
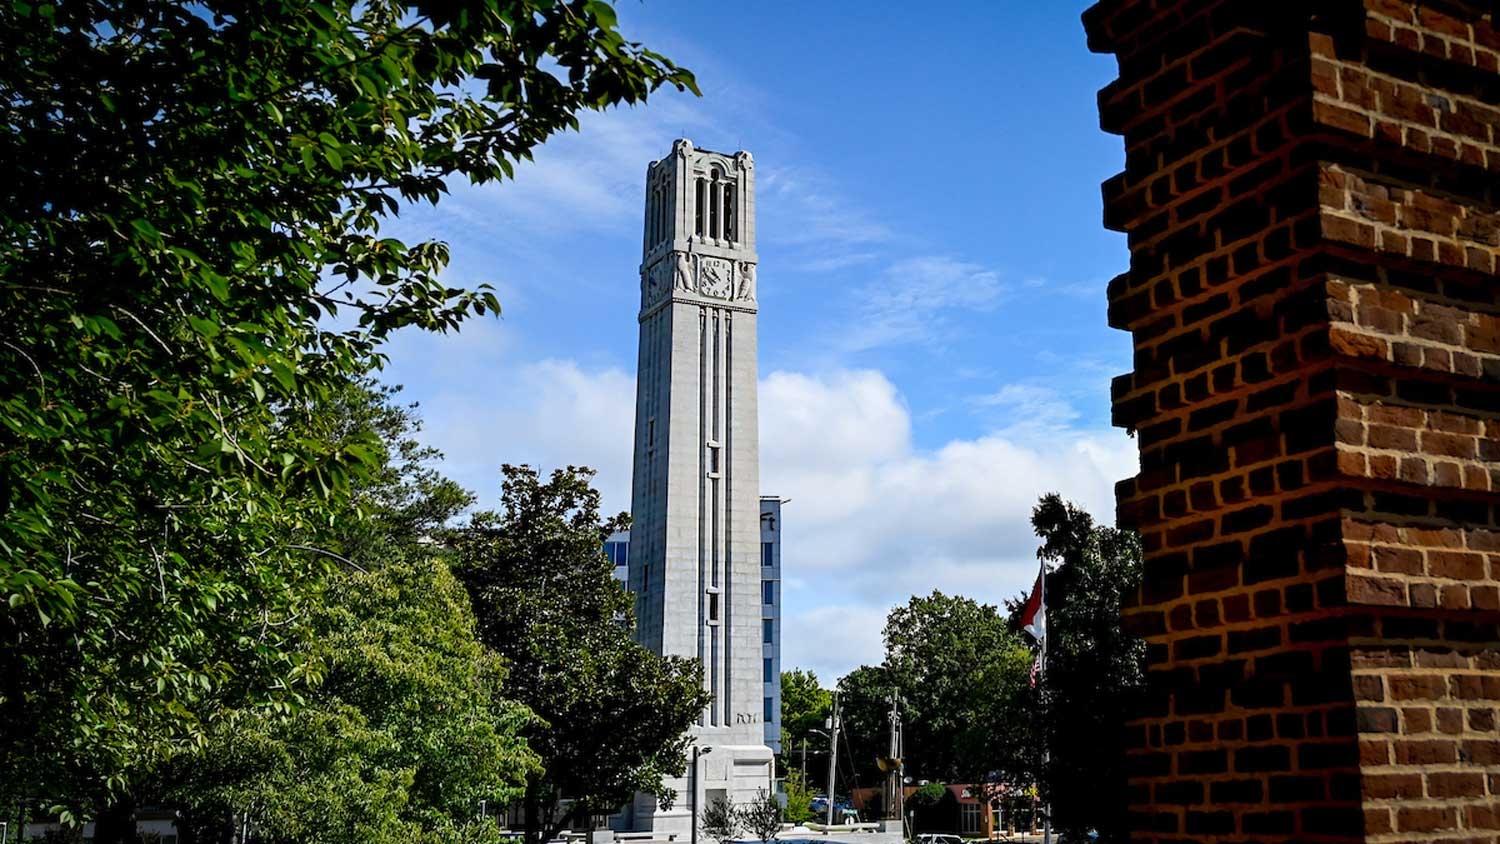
<point x="698" y="207"/>
<point x="713" y="607"/>
<point x="729" y="233"/>
<point x="715" y="197"/>
<point x="663" y="227"/>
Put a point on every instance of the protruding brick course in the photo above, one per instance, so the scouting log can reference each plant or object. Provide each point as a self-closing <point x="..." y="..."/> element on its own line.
<point x="1312" y="197"/>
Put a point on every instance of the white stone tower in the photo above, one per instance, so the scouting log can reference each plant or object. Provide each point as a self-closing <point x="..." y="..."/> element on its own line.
<point x="695" y="537"/>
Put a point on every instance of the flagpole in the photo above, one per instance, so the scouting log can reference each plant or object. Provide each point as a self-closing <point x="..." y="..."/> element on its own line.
<point x="1046" y="752"/>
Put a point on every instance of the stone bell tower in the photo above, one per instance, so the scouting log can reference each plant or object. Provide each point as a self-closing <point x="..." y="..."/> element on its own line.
<point x="695" y="537"/>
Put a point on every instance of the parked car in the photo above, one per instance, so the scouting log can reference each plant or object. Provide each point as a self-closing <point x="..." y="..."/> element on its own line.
<point x="938" y="838"/>
<point x="819" y="804"/>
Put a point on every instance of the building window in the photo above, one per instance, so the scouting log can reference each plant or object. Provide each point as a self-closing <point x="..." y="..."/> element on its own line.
<point x="715" y="200"/>
<point x="970" y="817"/>
<point x="729" y="221"/>
<point x="767" y="671"/>
<point x="767" y="556"/>
<point x="713" y="607"/>
<point x="768" y="591"/>
<point x="767" y="630"/>
<point x="701" y="195"/>
<point x="767" y="712"/>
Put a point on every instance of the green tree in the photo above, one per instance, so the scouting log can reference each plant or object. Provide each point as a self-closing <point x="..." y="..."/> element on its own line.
<point x="191" y="259"/>
<point x="799" y="797"/>
<point x="1094" y="669"/>
<point x="404" y="500"/>
<point x="409" y="727"/>
<point x="720" y="819"/>
<point x="805" y="706"/>
<point x="615" y="715"/>
<point x="962" y="675"/>
<point x="408" y="731"/>
<point x="865" y="707"/>
<point x="761" y="817"/>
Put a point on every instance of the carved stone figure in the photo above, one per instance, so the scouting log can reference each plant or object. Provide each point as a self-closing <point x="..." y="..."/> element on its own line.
<point x="746" y="292"/>
<point x="684" y="280"/>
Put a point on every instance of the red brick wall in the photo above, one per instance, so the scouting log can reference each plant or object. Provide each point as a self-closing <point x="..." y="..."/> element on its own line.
<point x="1312" y="197"/>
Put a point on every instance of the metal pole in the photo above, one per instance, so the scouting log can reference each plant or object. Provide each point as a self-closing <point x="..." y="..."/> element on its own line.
<point x="693" y="796"/>
<point x="893" y="777"/>
<point x="1046" y="751"/>
<point x="901" y="770"/>
<point x="833" y="757"/>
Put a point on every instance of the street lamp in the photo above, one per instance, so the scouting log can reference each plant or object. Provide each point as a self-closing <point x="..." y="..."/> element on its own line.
<point x="697" y="751"/>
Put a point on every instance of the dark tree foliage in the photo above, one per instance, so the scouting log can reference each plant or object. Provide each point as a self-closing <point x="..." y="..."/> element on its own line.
<point x="961" y="673"/>
<point x="761" y="817"/>
<point x="864" y="701"/>
<point x="805" y="706"/>
<point x="720" y="820"/>
<point x="1094" y="669"/>
<point x="404" y="501"/>
<point x="614" y="715"/>
<point x="191" y="260"/>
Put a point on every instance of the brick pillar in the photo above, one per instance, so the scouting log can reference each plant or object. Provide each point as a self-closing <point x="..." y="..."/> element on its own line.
<point x="1312" y="198"/>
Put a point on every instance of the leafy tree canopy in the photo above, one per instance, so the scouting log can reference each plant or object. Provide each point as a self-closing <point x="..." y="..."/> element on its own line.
<point x="799" y="798"/>
<point x="405" y="735"/>
<point x="805" y="706"/>
<point x="1094" y="669"/>
<point x="191" y="259"/>
<point x="614" y="715"/>
<point x="961" y="673"/>
<point x="761" y="817"/>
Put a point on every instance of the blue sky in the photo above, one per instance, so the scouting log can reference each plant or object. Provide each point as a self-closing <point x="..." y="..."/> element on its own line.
<point x="934" y="352"/>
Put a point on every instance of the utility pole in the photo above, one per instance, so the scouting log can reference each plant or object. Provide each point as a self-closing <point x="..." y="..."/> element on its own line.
<point x="804" y="763"/>
<point x="894" y="793"/>
<point x="1046" y="751"/>
<point x="833" y="756"/>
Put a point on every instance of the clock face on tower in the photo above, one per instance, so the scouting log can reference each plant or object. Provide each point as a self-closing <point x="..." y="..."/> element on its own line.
<point x="715" y="278"/>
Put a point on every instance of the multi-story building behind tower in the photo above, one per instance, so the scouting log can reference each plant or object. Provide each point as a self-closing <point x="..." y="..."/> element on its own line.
<point x="694" y="553"/>
<point x="770" y="618"/>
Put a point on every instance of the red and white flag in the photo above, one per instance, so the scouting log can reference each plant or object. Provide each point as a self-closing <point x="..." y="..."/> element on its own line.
<point x="1034" y="614"/>
<point x="1036" y="669"/>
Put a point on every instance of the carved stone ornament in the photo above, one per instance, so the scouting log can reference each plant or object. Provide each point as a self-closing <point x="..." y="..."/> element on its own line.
<point x="746" y="291"/>
<point x="684" y="276"/>
<point x="656" y="283"/>
<point x="716" y="278"/>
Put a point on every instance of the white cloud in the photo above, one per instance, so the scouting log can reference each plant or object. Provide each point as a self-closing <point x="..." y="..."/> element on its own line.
<point x="825" y="638"/>
<point x="798" y="207"/>
<point x="912" y="300"/>
<point x="872" y="520"/>
<point x="549" y="414"/>
<point x="585" y="181"/>
<point x="1030" y="409"/>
